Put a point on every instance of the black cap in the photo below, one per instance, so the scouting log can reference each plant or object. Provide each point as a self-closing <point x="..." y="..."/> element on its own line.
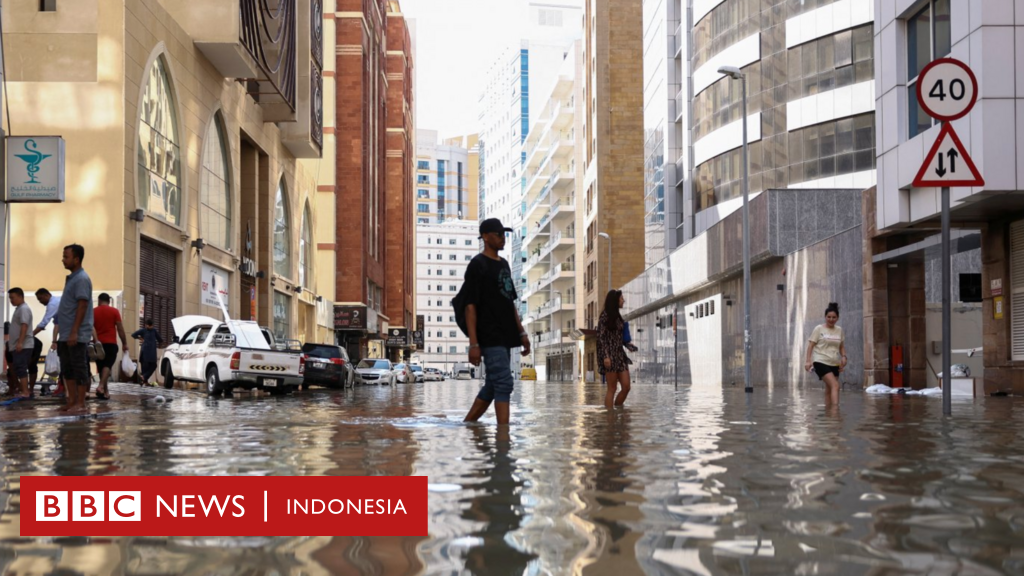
<point x="492" y="225"/>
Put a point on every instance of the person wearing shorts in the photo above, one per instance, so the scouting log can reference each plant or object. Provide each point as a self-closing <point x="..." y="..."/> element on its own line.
<point x="826" y="353"/>
<point x="492" y="322"/>
<point x="20" y="341"/>
<point x="75" y="328"/>
<point x="108" y="328"/>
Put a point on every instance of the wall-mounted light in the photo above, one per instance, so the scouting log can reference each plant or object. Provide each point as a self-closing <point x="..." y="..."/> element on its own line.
<point x="297" y="289"/>
<point x="319" y="298"/>
<point x="780" y="287"/>
<point x="261" y="274"/>
<point x="198" y="244"/>
<point x="137" y="215"/>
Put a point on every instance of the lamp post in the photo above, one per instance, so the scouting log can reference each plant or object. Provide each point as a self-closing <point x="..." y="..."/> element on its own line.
<point x="735" y="74"/>
<point x="609" y="239"/>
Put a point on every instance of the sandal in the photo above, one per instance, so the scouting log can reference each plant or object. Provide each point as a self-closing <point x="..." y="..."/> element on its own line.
<point x="102" y="396"/>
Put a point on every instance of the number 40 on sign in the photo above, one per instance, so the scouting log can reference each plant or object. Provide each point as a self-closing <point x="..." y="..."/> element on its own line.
<point x="947" y="91"/>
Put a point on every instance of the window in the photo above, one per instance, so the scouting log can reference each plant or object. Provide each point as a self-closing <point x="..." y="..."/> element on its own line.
<point x="451" y="241"/>
<point x="451" y="272"/>
<point x="453" y="349"/>
<point x="215" y="195"/>
<point x="832" y="149"/>
<point x="439" y="243"/>
<point x="439" y="319"/>
<point x="468" y="257"/>
<point x="159" y="169"/>
<point x="428" y="271"/>
<point x="453" y="257"/>
<point x="451" y="288"/>
<point x="282" y="234"/>
<point x="282" y="309"/>
<point x="423" y="221"/>
<point x="306" y="250"/>
<point x="422" y="208"/>
<point x="1016" y="297"/>
<point x="423" y="179"/>
<point x="423" y="194"/>
<point x="451" y="318"/>
<point x="439" y="288"/>
<point x="47" y="5"/>
<point x="469" y="242"/>
<point x="451" y="333"/>
<point x="928" y="38"/>
<point x="423" y="165"/>
<point x="428" y="256"/>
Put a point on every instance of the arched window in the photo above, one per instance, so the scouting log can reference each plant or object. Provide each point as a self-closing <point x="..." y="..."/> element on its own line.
<point x="215" y="188"/>
<point x="282" y="234"/>
<point x="159" y="154"/>
<point x="306" y="250"/>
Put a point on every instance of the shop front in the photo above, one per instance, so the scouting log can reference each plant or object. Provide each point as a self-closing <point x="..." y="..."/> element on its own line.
<point x="357" y="329"/>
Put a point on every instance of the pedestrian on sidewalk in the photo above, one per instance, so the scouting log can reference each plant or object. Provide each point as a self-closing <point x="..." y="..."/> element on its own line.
<point x="151" y="340"/>
<point x="610" y="351"/>
<point x="826" y="353"/>
<point x="492" y="322"/>
<point x="108" y="329"/>
<point x="20" y="341"/>
<point x="52" y="303"/>
<point x="74" y="327"/>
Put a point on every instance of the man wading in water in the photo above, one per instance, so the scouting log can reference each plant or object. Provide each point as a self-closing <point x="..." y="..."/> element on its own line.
<point x="492" y="322"/>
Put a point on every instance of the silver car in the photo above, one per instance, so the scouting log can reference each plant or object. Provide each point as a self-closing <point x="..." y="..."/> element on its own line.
<point x="375" y="371"/>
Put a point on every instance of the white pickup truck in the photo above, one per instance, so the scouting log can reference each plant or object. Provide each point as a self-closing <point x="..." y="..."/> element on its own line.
<point x="228" y="355"/>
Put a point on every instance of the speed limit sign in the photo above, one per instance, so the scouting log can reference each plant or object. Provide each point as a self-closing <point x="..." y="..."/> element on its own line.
<point x="947" y="89"/>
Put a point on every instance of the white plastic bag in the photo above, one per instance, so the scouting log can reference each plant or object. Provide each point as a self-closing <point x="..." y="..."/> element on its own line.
<point x="52" y="365"/>
<point x="128" y="366"/>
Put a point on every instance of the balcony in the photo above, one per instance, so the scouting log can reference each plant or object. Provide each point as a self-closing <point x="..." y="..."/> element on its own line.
<point x="678" y="42"/>
<point x="253" y="40"/>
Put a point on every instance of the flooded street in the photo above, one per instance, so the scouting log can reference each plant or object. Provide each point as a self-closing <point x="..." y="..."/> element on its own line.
<point x="685" y="481"/>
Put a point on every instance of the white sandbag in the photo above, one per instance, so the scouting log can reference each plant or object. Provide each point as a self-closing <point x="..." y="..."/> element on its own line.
<point x="931" y="392"/>
<point x="878" y="389"/>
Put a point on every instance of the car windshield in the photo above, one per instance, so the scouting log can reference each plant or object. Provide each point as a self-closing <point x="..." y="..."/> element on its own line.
<point x="399" y="366"/>
<point x="321" y="351"/>
<point x="417" y="369"/>
<point x="374" y="364"/>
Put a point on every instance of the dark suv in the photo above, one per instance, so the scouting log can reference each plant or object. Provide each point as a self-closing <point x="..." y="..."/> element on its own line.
<point x="328" y="365"/>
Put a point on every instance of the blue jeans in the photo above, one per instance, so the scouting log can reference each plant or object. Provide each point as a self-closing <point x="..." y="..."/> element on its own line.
<point x="498" y="380"/>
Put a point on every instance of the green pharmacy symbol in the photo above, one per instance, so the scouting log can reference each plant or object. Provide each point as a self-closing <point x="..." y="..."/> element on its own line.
<point x="33" y="159"/>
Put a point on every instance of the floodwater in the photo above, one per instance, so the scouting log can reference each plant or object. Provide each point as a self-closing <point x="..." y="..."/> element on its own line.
<point x="681" y="481"/>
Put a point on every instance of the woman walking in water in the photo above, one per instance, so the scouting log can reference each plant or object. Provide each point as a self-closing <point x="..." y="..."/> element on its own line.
<point x="609" y="348"/>
<point x="826" y="353"/>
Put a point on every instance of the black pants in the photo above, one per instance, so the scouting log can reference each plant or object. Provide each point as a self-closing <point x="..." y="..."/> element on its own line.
<point x="148" y="368"/>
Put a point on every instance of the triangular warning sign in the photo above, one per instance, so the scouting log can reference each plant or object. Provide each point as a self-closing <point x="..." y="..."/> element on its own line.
<point x="948" y="164"/>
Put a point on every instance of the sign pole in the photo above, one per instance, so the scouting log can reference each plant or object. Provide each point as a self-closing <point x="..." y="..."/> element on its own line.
<point x="947" y="374"/>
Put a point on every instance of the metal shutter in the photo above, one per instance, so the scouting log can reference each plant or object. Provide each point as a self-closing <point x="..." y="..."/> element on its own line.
<point x="1017" y="289"/>
<point x="158" y="272"/>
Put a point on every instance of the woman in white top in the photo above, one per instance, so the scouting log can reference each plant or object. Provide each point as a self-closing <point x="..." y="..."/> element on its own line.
<point x="826" y="352"/>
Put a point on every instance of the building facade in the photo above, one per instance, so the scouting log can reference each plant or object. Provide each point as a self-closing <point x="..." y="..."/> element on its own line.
<point x="550" y="223"/>
<point x="902" y="277"/>
<point x="445" y="186"/>
<point x="187" y="187"/>
<point x="442" y="253"/>
<point x="609" y="157"/>
<point x="809" y="70"/>
<point x="373" y="173"/>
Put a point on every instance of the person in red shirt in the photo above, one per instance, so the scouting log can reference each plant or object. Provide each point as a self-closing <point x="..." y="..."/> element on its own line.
<point x="108" y="327"/>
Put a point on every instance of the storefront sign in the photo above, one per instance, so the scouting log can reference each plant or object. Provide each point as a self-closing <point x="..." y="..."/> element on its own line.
<point x="997" y="308"/>
<point x="996" y="286"/>
<point x="248" y="265"/>
<point x="350" y="318"/>
<point x="417" y="339"/>
<point x="35" y="169"/>
<point x="398" y="337"/>
<point x="214" y="281"/>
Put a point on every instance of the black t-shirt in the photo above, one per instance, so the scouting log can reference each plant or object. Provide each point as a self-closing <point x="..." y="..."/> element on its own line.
<point x="489" y="286"/>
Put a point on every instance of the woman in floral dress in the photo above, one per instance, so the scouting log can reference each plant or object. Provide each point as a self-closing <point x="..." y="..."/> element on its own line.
<point x="610" y="354"/>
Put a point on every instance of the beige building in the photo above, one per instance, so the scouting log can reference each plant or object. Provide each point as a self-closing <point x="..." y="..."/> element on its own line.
<point x="194" y="138"/>
<point x="609" y="157"/>
<point x="447" y="178"/>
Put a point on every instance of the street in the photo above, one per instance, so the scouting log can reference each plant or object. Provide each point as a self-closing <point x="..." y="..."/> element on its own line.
<point x="680" y="481"/>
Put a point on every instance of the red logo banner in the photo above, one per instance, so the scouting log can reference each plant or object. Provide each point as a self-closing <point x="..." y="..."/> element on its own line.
<point x="223" y="506"/>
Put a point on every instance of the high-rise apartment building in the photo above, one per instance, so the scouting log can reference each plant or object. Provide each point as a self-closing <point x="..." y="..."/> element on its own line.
<point x="446" y="179"/>
<point x="550" y="222"/>
<point x="374" y="171"/>
<point x="443" y="250"/>
<point x="609" y="156"/>
<point x="506" y="114"/>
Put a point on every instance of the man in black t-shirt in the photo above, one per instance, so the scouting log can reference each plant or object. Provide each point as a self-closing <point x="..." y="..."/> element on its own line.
<point x="492" y="321"/>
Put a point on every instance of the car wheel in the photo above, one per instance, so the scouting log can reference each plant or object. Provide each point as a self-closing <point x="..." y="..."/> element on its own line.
<point x="168" y="375"/>
<point x="213" y="384"/>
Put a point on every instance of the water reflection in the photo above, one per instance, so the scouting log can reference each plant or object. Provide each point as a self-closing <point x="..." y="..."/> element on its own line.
<point x="696" y="480"/>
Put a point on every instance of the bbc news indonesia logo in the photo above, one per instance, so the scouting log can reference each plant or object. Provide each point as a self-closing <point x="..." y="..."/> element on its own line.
<point x="224" y="506"/>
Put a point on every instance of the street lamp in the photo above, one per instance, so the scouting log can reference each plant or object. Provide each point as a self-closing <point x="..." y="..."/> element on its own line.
<point x="735" y="73"/>
<point x="609" y="239"/>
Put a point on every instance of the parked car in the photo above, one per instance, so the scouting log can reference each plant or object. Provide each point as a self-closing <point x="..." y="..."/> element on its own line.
<point x="464" y="374"/>
<point x="375" y="371"/>
<point x="228" y="355"/>
<point x="418" y="371"/>
<point x="328" y="366"/>
<point x="433" y="375"/>
<point x="404" y="373"/>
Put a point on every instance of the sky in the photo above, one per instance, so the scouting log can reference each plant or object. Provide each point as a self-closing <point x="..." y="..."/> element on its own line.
<point x="455" y="42"/>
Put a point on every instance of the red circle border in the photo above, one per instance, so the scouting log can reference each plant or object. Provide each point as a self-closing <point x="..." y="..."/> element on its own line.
<point x="920" y="84"/>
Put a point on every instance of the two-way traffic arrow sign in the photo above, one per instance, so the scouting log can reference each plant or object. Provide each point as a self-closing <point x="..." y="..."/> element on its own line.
<point x="948" y="163"/>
